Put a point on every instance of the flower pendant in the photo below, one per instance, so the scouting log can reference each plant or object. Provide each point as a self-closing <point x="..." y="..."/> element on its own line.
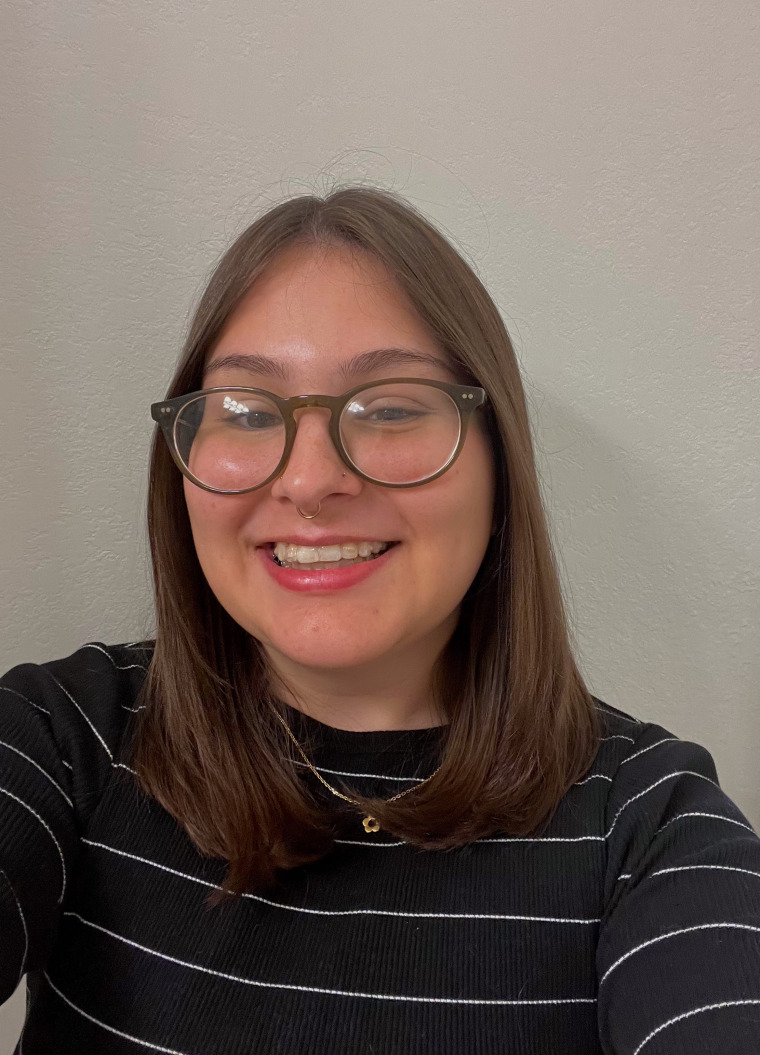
<point x="371" y="825"/>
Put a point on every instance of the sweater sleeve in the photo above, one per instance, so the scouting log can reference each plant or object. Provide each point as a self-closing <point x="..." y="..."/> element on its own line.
<point x="678" y="957"/>
<point x="59" y="723"/>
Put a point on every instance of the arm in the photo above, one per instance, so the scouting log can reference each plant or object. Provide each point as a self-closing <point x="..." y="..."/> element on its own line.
<point x="678" y="957"/>
<point x="38" y="837"/>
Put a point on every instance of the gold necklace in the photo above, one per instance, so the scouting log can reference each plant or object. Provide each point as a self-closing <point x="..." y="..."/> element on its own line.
<point x="371" y="824"/>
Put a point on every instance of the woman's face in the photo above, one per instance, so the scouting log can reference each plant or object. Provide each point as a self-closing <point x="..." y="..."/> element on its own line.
<point x="313" y="312"/>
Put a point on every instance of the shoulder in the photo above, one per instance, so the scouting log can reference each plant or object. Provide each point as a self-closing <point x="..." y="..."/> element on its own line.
<point x="85" y="697"/>
<point x="677" y="938"/>
<point x="619" y="733"/>
<point x="640" y="752"/>
<point x="617" y="724"/>
<point x="663" y="790"/>
<point x="636" y="750"/>
<point x="643" y="751"/>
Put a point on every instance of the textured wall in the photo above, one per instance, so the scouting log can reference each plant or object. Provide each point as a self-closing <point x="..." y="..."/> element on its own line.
<point x="595" y="159"/>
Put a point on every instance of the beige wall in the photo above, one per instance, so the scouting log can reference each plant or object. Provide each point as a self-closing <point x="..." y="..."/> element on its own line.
<point x="596" y="160"/>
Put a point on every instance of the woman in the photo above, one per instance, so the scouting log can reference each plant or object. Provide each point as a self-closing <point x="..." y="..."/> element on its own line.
<point x="357" y="798"/>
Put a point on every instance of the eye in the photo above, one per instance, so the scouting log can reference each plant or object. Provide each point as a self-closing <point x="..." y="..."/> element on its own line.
<point x="254" y="420"/>
<point x="249" y="417"/>
<point x="383" y="412"/>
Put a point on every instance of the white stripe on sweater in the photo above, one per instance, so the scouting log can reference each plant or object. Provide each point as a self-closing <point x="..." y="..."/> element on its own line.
<point x="22" y="968"/>
<point x="368" y="776"/>
<point x="45" y="774"/>
<point x="643" y="751"/>
<point x="86" y="718"/>
<point x="674" y="934"/>
<point x="343" y="912"/>
<point x="326" y="992"/>
<point x="387" y="776"/>
<point x="130" y="666"/>
<point x="507" y="839"/>
<point x="5" y="688"/>
<point x="594" y="776"/>
<point x="714" y="816"/>
<point x="668" y="776"/>
<point x="689" y="1014"/>
<point x="692" y="868"/>
<point x="122" y="765"/>
<point x="111" y="1029"/>
<point x="48" y="830"/>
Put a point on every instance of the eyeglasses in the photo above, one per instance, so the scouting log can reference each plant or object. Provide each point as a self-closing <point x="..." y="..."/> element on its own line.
<point x="399" y="432"/>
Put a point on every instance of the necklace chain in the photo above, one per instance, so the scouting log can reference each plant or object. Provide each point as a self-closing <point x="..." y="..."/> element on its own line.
<point x="371" y="824"/>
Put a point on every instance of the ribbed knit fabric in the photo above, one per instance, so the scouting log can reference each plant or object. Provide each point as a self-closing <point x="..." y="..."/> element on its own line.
<point x="632" y="925"/>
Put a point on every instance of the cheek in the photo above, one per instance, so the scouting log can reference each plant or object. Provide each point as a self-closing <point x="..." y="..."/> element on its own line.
<point x="455" y="520"/>
<point x="476" y="482"/>
<point x="214" y="522"/>
<point x="475" y="510"/>
<point x="199" y="506"/>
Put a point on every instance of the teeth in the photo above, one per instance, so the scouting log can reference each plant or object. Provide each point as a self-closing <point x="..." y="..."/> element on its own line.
<point x="288" y="551"/>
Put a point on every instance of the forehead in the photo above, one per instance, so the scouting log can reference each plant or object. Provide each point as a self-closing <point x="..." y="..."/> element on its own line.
<point x="320" y="311"/>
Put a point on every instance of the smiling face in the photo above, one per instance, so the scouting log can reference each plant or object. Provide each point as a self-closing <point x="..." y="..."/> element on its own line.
<point x="313" y="312"/>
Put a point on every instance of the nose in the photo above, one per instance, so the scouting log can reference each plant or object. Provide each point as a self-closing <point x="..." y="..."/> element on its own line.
<point x="314" y="469"/>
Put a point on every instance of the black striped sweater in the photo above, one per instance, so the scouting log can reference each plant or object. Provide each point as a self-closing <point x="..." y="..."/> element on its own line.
<point x="631" y="926"/>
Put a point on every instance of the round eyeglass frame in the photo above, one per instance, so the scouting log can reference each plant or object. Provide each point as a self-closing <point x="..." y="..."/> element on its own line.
<point x="466" y="398"/>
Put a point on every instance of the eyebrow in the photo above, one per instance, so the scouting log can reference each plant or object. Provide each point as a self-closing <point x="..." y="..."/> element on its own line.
<point x="364" y="363"/>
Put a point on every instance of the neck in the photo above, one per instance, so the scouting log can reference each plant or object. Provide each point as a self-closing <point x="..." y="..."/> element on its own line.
<point x="392" y="692"/>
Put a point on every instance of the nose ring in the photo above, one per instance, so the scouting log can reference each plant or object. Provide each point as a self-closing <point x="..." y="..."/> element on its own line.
<point x="310" y="516"/>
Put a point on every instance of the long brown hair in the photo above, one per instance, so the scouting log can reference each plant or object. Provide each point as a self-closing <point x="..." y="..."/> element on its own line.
<point x="522" y="726"/>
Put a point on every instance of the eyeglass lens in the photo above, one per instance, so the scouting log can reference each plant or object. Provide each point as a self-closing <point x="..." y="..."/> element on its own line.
<point x="231" y="440"/>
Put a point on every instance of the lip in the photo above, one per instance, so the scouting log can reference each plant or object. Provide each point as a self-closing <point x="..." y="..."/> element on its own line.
<point x="327" y="579"/>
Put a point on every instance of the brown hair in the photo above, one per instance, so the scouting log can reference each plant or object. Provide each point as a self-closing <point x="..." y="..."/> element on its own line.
<point x="522" y="726"/>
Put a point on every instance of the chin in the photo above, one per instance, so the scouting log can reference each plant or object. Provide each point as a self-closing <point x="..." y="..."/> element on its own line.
<point x="321" y="654"/>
